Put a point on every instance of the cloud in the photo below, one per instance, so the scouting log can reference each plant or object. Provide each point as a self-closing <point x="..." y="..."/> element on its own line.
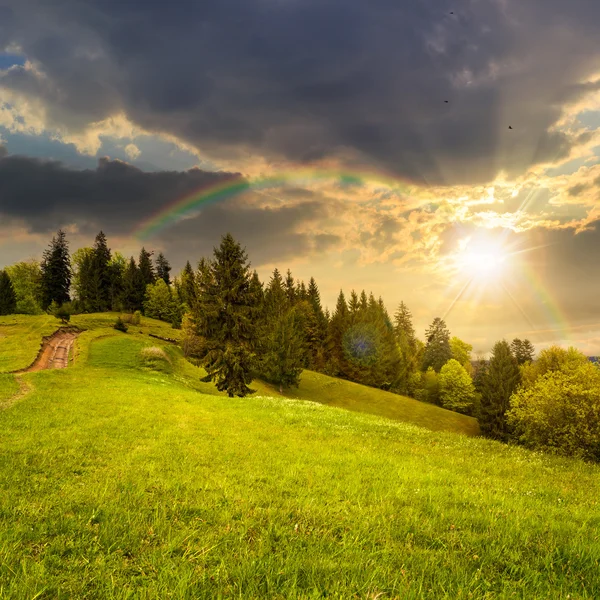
<point x="132" y="151"/>
<point x="306" y="81"/>
<point x="40" y="196"/>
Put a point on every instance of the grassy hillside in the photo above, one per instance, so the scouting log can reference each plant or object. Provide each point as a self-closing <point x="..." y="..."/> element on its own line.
<point x="360" y="398"/>
<point x="20" y="338"/>
<point x="118" y="479"/>
<point x="21" y="335"/>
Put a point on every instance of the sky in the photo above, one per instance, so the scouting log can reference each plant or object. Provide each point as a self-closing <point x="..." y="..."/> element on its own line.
<point x="444" y="154"/>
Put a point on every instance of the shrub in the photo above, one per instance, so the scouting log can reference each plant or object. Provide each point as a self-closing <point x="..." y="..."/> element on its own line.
<point x="62" y="311"/>
<point x="154" y="354"/>
<point x="120" y="325"/>
<point x="456" y="387"/>
<point x="560" y="412"/>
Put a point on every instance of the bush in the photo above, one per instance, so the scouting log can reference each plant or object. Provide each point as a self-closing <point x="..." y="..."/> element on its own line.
<point x="132" y="319"/>
<point x="62" y="311"/>
<point x="120" y="325"/>
<point x="456" y="388"/>
<point x="560" y="412"/>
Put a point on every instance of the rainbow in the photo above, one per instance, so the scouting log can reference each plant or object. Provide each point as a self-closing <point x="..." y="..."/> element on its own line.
<point x="223" y="189"/>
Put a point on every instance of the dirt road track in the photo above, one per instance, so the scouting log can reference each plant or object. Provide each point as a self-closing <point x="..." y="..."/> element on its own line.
<point x="54" y="353"/>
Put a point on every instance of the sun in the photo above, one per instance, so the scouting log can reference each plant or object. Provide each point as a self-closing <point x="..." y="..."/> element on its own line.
<point x="483" y="261"/>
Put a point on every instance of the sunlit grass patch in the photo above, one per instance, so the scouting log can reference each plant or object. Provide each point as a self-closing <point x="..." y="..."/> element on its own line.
<point x="8" y="387"/>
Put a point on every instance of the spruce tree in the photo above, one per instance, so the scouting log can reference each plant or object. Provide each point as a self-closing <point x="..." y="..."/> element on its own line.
<point x="187" y="288"/>
<point x="437" y="351"/>
<point x="100" y="275"/>
<point x="335" y="332"/>
<point x="283" y="360"/>
<point x="403" y="327"/>
<point x="225" y="319"/>
<point x="163" y="268"/>
<point x="8" y="298"/>
<point x="522" y="350"/>
<point x="146" y="268"/>
<point x="56" y="272"/>
<point x="315" y="328"/>
<point x="290" y="289"/>
<point x="407" y="343"/>
<point x="133" y="289"/>
<point x="499" y="382"/>
<point x="275" y="297"/>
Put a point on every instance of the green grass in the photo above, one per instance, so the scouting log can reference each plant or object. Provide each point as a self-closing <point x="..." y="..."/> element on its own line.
<point x="20" y="339"/>
<point x="21" y="335"/>
<point x="119" y="480"/>
<point x="8" y="387"/>
<point x="353" y="396"/>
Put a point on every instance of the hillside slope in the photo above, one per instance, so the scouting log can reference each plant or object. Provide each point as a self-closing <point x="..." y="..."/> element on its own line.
<point x="118" y="479"/>
<point x="360" y="398"/>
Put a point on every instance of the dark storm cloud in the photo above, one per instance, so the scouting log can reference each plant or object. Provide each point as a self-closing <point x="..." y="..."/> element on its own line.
<point x="117" y="198"/>
<point x="312" y="78"/>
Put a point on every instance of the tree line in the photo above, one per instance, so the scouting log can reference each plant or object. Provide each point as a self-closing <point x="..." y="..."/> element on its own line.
<point x="240" y="329"/>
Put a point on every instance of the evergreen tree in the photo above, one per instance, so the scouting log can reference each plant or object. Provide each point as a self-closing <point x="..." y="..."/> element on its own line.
<point x="315" y="328"/>
<point x="275" y="298"/>
<point x="335" y="332"/>
<point x="100" y="275"/>
<point x="163" y="268"/>
<point x="407" y="344"/>
<point x="290" y="288"/>
<point x="363" y="302"/>
<point x="133" y="287"/>
<point x="146" y="268"/>
<point x="522" y="350"/>
<point x="437" y="351"/>
<point x="283" y="361"/>
<point x="188" y="292"/>
<point x="56" y="272"/>
<point x="8" y="298"/>
<point x="498" y="385"/>
<point x="225" y="319"/>
<point x="403" y="327"/>
<point x="353" y="306"/>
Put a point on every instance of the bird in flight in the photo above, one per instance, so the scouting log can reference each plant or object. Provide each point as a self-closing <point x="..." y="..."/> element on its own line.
<point x="446" y="101"/>
<point x="509" y="127"/>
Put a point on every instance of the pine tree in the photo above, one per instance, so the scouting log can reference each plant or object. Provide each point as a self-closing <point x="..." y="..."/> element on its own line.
<point x="163" y="268"/>
<point x="315" y="328"/>
<point x="133" y="290"/>
<point x="290" y="288"/>
<point x="353" y="306"/>
<point x="335" y="332"/>
<point x="407" y="343"/>
<point x="56" y="272"/>
<point x="403" y="327"/>
<point x="100" y="275"/>
<point x="275" y="298"/>
<point x="225" y="319"/>
<point x="116" y="270"/>
<point x="437" y="351"/>
<point x="283" y="360"/>
<point x="8" y="298"/>
<point x="146" y="268"/>
<point x="522" y="350"/>
<point x="497" y="386"/>
<point x="188" y="292"/>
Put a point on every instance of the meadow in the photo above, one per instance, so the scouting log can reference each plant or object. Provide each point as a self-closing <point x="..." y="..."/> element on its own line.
<point x="124" y="476"/>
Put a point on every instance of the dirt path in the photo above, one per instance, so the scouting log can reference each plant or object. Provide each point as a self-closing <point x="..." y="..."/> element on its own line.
<point x="55" y="351"/>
